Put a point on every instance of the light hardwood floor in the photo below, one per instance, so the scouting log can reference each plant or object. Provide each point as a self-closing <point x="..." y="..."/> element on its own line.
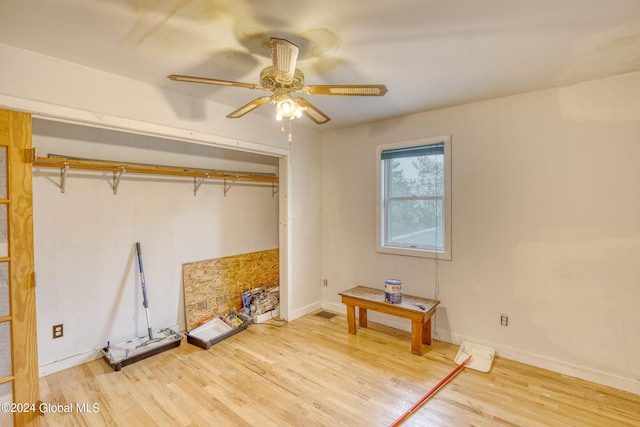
<point x="310" y="372"/>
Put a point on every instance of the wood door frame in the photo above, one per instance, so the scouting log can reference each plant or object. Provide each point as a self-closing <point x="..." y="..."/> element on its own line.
<point x="22" y="298"/>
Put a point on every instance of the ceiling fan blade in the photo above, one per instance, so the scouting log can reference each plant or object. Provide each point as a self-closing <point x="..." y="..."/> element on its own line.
<point x="346" y="90"/>
<point x="247" y="108"/>
<point x="312" y="111"/>
<point x="284" y="55"/>
<point x="205" y="80"/>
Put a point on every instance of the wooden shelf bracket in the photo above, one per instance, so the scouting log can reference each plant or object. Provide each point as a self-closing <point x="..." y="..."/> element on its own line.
<point x="63" y="177"/>
<point x="116" y="179"/>
<point x="197" y="182"/>
<point x="228" y="187"/>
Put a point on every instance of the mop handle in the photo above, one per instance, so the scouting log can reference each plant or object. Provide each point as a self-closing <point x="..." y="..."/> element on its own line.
<point x="145" y="301"/>
<point x="416" y="405"/>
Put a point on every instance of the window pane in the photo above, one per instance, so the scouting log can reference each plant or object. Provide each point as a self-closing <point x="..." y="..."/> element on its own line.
<point x="3" y="172"/>
<point x="4" y="289"/>
<point x="4" y="235"/>
<point x="417" y="176"/>
<point x="415" y="223"/>
<point x="6" y="396"/>
<point x="5" y="349"/>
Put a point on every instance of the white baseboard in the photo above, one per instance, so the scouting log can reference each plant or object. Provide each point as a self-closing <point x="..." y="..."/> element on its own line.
<point x="585" y="373"/>
<point x="540" y="361"/>
<point x="305" y="310"/>
<point x="334" y="306"/>
<point x="79" y="359"/>
<point x="69" y="362"/>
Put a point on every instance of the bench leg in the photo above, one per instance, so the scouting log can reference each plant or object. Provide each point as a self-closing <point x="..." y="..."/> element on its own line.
<point x="362" y="316"/>
<point x="416" y="337"/>
<point x="351" y="319"/>
<point x="426" y="332"/>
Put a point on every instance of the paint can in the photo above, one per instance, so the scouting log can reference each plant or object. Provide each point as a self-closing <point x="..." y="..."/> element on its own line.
<point x="393" y="291"/>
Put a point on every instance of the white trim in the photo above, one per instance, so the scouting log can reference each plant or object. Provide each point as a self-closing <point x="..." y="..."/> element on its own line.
<point x="87" y="356"/>
<point x="551" y="364"/>
<point x="306" y="310"/>
<point x="69" y="362"/>
<point x="43" y="110"/>
<point x="446" y="254"/>
<point x="285" y="236"/>
<point x="337" y="307"/>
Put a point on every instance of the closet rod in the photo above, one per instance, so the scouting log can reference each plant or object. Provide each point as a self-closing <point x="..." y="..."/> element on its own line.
<point x="62" y="162"/>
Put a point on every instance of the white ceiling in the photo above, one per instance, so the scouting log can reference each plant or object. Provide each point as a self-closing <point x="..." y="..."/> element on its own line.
<point x="429" y="53"/>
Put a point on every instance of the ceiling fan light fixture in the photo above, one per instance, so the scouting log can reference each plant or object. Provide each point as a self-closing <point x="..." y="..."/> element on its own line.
<point x="285" y="106"/>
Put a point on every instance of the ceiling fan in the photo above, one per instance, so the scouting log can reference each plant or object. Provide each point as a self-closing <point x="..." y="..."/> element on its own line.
<point x="284" y="79"/>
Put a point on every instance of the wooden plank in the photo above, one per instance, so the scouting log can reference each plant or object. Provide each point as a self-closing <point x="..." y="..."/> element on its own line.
<point x="416" y="336"/>
<point x="97" y="165"/>
<point x="212" y="287"/>
<point x="351" y="318"/>
<point x="426" y="332"/>
<point x="362" y="317"/>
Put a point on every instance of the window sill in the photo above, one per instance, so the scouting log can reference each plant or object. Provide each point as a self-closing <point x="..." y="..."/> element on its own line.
<point x="414" y="252"/>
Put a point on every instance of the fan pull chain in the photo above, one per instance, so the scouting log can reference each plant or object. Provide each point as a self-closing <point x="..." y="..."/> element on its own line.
<point x="290" y="127"/>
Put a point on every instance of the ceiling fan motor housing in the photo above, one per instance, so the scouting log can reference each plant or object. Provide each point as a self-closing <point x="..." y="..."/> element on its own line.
<point x="269" y="82"/>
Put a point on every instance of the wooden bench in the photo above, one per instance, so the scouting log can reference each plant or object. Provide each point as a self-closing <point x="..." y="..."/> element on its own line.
<point x="418" y="310"/>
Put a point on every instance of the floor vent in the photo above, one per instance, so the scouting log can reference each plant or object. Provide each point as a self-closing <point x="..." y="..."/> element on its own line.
<point x="326" y="314"/>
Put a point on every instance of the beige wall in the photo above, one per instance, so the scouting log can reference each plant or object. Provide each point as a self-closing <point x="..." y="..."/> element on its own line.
<point x="546" y="225"/>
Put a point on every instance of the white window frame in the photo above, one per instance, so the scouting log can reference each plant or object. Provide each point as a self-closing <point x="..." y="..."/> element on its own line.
<point x="382" y="247"/>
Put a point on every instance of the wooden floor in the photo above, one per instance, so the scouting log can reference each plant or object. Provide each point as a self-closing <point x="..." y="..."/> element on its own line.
<point x="311" y="372"/>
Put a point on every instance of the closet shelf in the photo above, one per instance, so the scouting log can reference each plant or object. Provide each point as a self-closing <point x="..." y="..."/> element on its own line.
<point x="118" y="168"/>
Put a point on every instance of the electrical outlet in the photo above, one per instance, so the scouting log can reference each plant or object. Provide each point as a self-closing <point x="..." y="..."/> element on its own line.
<point x="58" y="331"/>
<point x="325" y="283"/>
<point x="504" y="320"/>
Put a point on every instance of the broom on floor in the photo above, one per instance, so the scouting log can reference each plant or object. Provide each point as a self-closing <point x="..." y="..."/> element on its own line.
<point x="482" y="357"/>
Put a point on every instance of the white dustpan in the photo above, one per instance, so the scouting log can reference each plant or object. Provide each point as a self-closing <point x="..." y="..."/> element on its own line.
<point x="481" y="356"/>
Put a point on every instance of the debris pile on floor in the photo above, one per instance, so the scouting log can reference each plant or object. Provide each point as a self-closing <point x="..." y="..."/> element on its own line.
<point x="260" y="304"/>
